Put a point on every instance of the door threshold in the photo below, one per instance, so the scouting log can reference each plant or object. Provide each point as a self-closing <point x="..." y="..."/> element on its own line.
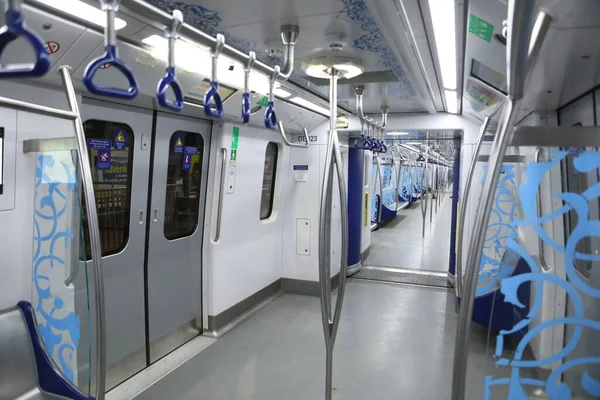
<point x="147" y="377"/>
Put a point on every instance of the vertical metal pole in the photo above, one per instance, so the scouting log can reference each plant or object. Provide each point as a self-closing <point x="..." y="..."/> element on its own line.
<point x="454" y="232"/>
<point x="331" y="322"/>
<point x="94" y="230"/>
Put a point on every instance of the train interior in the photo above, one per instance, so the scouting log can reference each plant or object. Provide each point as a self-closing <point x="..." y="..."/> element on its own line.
<point x="339" y="199"/>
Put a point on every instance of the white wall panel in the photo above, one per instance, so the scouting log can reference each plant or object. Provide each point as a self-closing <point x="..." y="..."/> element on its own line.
<point x="247" y="257"/>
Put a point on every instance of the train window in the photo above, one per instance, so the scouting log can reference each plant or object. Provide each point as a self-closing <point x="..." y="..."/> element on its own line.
<point x="486" y="74"/>
<point x="268" y="185"/>
<point x="182" y="198"/>
<point x="110" y="149"/>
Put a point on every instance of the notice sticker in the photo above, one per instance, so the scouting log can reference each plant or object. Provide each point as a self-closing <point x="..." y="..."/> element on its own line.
<point x="103" y="162"/>
<point x="178" y="147"/>
<point x="120" y="141"/>
<point x="188" y="152"/>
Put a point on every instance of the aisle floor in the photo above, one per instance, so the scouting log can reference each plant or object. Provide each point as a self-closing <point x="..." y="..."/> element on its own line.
<point x="394" y="341"/>
<point x="399" y="243"/>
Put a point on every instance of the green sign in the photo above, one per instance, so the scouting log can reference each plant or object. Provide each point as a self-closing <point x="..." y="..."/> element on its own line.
<point x="263" y="102"/>
<point x="234" y="143"/>
<point x="481" y="28"/>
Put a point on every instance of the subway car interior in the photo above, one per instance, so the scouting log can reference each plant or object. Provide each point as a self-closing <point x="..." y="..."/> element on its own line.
<point x="338" y="199"/>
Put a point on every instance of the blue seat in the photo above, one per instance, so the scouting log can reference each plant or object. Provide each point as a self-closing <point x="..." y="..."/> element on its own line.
<point x="26" y="371"/>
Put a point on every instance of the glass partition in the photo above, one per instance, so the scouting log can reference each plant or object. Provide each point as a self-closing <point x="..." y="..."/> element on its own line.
<point x="60" y="295"/>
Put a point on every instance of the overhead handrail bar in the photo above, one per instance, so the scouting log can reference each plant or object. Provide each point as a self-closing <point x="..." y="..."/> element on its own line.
<point x="464" y="201"/>
<point x="213" y="93"/>
<point x="221" y="193"/>
<point x="522" y="51"/>
<point x="270" y="115"/>
<point x="170" y="79"/>
<point x="110" y="56"/>
<point x="331" y="320"/>
<point x="15" y="27"/>
<point x="246" y="94"/>
<point x="290" y="144"/>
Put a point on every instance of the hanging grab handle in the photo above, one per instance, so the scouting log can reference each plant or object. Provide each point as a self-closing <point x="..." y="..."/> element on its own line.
<point x="170" y="79"/>
<point x="362" y="142"/>
<point x="110" y="56"/>
<point x="383" y="147"/>
<point x="270" y="116"/>
<point x="246" y="94"/>
<point x="15" y="27"/>
<point x="213" y="93"/>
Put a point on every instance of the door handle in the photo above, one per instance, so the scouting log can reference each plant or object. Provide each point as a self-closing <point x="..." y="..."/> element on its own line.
<point x="155" y="219"/>
<point x="141" y="220"/>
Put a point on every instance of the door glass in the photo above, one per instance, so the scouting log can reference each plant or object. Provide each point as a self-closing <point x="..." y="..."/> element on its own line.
<point x="60" y="288"/>
<point x="268" y="186"/>
<point x="110" y="149"/>
<point x="183" y="184"/>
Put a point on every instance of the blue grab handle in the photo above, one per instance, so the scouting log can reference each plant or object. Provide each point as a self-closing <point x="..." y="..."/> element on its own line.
<point x="169" y="80"/>
<point x="270" y="116"/>
<point x="15" y="27"/>
<point x="110" y="57"/>
<point x="213" y="95"/>
<point x="246" y="107"/>
<point x="384" y="147"/>
<point x="362" y="143"/>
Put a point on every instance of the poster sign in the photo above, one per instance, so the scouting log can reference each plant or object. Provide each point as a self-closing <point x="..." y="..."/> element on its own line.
<point x="103" y="147"/>
<point x="188" y="152"/>
<point x="234" y="144"/>
<point x="120" y="141"/>
<point x="481" y="28"/>
<point x="179" y="142"/>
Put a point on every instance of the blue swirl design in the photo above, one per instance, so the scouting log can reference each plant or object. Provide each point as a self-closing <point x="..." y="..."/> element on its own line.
<point x="578" y="290"/>
<point x="375" y="196"/>
<point x="494" y="266"/>
<point x="373" y="41"/>
<point x="58" y="326"/>
<point x="404" y="188"/>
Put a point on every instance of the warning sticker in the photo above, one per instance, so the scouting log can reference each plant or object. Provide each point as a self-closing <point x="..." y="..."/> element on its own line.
<point x="178" y="146"/>
<point x="104" y="157"/>
<point x="120" y="139"/>
<point x="188" y="152"/>
<point x="52" y="47"/>
<point x="263" y="102"/>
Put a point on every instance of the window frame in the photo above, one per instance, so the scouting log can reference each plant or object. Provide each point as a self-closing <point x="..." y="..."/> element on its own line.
<point x="274" y="145"/>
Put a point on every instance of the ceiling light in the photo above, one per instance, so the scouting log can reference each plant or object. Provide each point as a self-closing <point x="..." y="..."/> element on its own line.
<point x="84" y="11"/>
<point x="451" y="101"/>
<point x="442" y="18"/>
<point x="397" y="133"/>
<point x="310" y="105"/>
<point x="279" y="92"/>
<point x="319" y="64"/>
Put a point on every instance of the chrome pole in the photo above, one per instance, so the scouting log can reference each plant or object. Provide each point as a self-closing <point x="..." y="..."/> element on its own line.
<point x="521" y="58"/>
<point x="333" y="156"/>
<point x="94" y="230"/>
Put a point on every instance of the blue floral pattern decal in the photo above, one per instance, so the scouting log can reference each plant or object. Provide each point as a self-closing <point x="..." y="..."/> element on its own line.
<point x="404" y="190"/>
<point x="576" y="360"/>
<point x="58" y="325"/>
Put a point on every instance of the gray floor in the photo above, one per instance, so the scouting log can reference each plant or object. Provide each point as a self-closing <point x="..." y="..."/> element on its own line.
<point x="394" y="342"/>
<point x="399" y="244"/>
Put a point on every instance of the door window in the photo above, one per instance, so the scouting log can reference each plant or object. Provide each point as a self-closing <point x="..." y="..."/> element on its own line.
<point x="268" y="186"/>
<point x="183" y="184"/>
<point x="110" y="150"/>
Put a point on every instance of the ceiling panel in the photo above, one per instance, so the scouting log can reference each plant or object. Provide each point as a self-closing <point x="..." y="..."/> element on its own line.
<point x="255" y="25"/>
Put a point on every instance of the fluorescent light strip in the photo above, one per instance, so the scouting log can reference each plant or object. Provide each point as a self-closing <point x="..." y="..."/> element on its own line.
<point x="451" y="101"/>
<point x="84" y="11"/>
<point x="310" y="105"/>
<point x="397" y="133"/>
<point x="444" y="29"/>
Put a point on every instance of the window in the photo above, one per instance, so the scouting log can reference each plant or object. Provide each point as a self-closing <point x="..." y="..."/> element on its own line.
<point x="110" y="150"/>
<point x="183" y="184"/>
<point x="268" y="185"/>
<point x="488" y="75"/>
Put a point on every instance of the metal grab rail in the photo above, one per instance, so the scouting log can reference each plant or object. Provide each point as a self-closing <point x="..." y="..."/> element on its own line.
<point x="221" y="187"/>
<point x="522" y="51"/>
<point x="110" y="56"/>
<point x="424" y="196"/>
<point x="290" y="144"/>
<point x="334" y="156"/>
<point x="270" y="115"/>
<point x="464" y="202"/>
<point x="15" y="27"/>
<point x="543" y="264"/>
<point x="246" y="94"/>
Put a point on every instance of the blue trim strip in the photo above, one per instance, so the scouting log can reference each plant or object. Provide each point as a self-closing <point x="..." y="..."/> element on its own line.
<point x="50" y="380"/>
